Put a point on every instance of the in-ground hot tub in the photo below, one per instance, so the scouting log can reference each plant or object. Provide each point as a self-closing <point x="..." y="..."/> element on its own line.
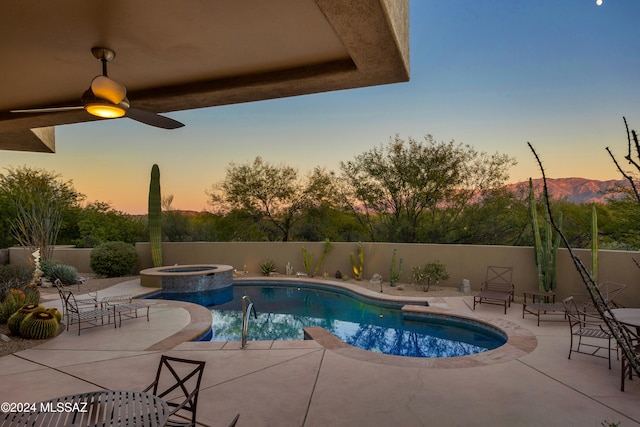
<point x="189" y="278"/>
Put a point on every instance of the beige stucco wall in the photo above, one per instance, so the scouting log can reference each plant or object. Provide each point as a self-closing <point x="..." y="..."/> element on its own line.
<point x="462" y="261"/>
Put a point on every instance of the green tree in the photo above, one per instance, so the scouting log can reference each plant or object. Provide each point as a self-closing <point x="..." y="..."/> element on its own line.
<point x="33" y="203"/>
<point x="402" y="184"/>
<point x="500" y="217"/>
<point x="273" y="196"/>
<point x="98" y="223"/>
<point x="176" y="225"/>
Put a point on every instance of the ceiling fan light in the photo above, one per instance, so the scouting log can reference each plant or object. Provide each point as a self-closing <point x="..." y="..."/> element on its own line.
<point x="105" y="110"/>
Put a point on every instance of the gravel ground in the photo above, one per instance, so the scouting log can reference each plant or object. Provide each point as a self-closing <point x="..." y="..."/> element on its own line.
<point x="18" y="344"/>
<point x="93" y="284"/>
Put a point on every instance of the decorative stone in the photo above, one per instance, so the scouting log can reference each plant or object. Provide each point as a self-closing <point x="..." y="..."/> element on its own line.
<point x="465" y="287"/>
<point x="376" y="279"/>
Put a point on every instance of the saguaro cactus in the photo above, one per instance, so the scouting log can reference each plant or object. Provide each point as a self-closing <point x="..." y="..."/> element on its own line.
<point x="155" y="217"/>
<point x="545" y="251"/>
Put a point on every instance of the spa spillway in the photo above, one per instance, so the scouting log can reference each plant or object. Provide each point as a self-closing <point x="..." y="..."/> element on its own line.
<point x="189" y="278"/>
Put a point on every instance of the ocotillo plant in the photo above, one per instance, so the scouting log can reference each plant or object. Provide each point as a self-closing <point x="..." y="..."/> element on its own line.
<point x="155" y="217"/>
<point x="358" y="268"/>
<point x="546" y="251"/>
<point x="594" y="243"/>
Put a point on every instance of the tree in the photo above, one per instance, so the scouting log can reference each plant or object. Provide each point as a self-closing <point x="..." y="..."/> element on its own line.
<point x="401" y="184"/>
<point x="176" y="225"/>
<point x="34" y="201"/>
<point x="99" y="223"/>
<point x="273" y="196"/>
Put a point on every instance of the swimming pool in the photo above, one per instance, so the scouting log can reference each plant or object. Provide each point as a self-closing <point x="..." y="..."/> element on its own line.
<point x="285" y="308"/>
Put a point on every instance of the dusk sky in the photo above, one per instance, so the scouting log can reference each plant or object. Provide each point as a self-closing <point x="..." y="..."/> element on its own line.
<point x="493" y="74"/>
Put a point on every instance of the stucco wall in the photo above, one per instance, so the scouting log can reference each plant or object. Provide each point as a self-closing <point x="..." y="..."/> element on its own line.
<point x="462" y="261"/>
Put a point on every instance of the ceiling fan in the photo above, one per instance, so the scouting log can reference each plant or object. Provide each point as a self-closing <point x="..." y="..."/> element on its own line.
<point x="107" y="98"/>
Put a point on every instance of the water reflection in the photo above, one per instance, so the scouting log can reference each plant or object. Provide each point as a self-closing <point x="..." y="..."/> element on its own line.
<point x="284" y="311"/>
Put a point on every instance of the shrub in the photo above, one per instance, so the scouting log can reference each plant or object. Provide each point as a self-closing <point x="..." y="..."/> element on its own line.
<point x="67" y="274"/>
<point x="46" y="265"/>
<point x="431" y="272"/>
<point x="113" y="259"/>
<point x="14" y="276"/>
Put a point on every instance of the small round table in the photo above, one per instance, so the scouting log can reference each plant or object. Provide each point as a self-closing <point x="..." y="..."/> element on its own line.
<point x="628" y="316"/>
<point x="95" y="408"/>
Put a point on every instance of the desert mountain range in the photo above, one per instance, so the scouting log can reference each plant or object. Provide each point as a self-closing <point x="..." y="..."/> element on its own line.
<point x="577" y="190"/>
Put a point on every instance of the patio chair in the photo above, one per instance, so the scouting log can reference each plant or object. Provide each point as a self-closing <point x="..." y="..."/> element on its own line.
<point x="497" y="287"/>
<point x="94" y="316"/>
<point x="586" y="326"/>
<point x="178" y="384"/>
<point x="609" y="291"/>
<point x="90" y="301"/>
<point x="541" y="303"/>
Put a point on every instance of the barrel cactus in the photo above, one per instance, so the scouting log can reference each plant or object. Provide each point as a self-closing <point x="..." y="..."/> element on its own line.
<point x="13" y="323"/>
<point x="18" y="295"/>
<point x="32" y="294"/>
<point x="39" y="325"/>
<point x="56" y="313"/>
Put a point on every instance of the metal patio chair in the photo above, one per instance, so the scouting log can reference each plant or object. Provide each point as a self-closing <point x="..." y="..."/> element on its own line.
<point x="497" y="288"/>
<point x="587" y="326"/>
<point x="94" y="316"/>
<point x="178" y="383"/>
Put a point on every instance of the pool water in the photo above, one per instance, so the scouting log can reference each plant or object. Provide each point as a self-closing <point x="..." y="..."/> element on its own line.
<point x="284" y="310"/>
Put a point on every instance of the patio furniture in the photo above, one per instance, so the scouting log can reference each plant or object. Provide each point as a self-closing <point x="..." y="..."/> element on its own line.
<point x="629" y="318"/>
<point x="90" y="301"/>
<point x="586" y="326"/>
<point x="95" y="408"/>
<point x="178" y="381"/>
<point x="124" y="306"/>
<point x="626" y="369"/>
<point x="497" y="288"/>
<point x="94" y="316"/>
<point x="539" y="303"/>
<point x="609" y="291"/>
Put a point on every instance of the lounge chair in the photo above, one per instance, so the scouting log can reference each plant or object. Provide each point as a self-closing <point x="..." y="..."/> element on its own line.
<point x="497" y="288"/>
<point x="124" y="306"/>
<point x="542" y="303"/>
<point x="84" y="302"/>
<point x="587" y="326"/>
<point x="93" y="316"/>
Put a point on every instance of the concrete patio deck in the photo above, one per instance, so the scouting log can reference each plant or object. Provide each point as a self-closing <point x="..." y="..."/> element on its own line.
<point x="301" y="383"/>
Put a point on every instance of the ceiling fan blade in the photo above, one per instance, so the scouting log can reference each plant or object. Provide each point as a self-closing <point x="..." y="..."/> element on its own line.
<point x="153" y="119"/>
<point x="48" y="109"/>
<point x="106" y="88"/>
